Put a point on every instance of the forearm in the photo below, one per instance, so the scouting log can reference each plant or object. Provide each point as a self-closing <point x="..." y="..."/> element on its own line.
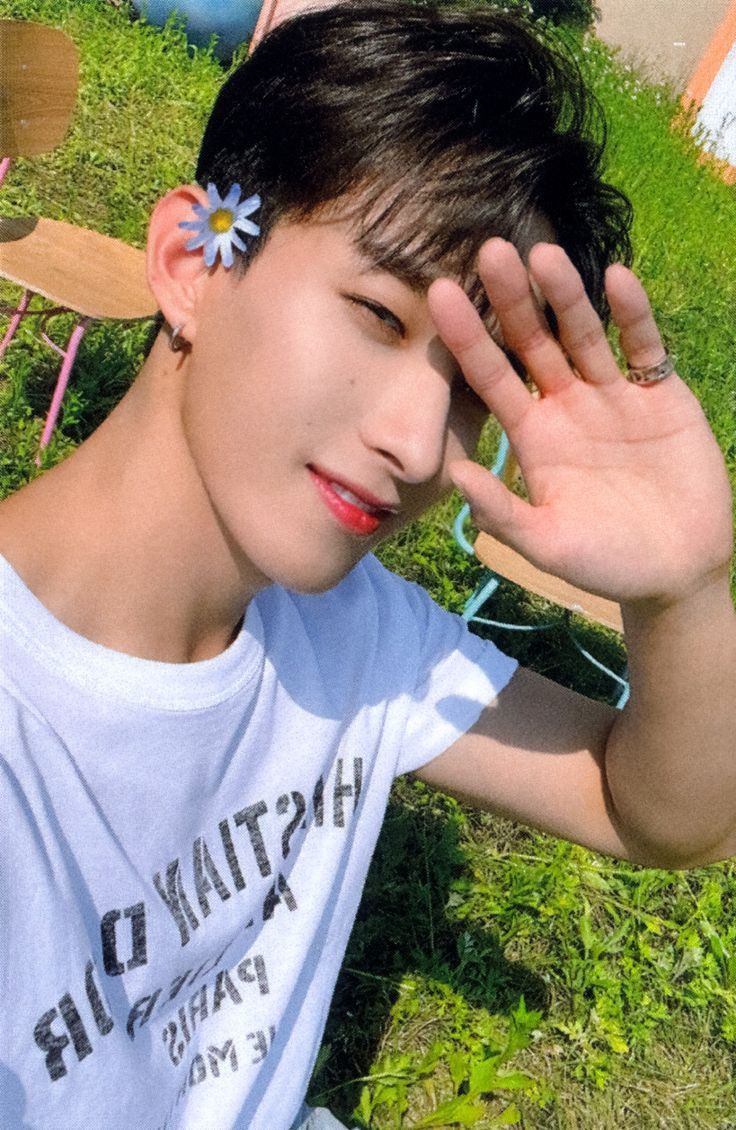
<point x="670" y="757"/>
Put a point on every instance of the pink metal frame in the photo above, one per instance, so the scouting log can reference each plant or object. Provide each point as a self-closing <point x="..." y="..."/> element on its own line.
<point x="15" y="321"/>
<point x="67" y="355"/>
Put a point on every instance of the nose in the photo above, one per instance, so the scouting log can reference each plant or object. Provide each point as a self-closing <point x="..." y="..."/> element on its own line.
<point x="407" y="420"/>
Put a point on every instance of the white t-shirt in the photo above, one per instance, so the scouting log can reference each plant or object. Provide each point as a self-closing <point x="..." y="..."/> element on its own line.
<point x="183" y="847"/>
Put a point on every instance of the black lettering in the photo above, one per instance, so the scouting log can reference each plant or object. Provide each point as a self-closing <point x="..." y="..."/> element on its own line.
<point x="103" y="1019"/>
<point x="175" y="1053"/>
<point x="176" y="900"/>
<point x="273" y="898"/>
<point x="198" y="1006"/>
<point x="206" y="875"/>
<point x="108" y="930"/>
<point x="217" y="1056"/>
<point x="318" y="801"/>
<point x="138" y="1012"/>
<point x="178" y="984"/>
<point x="342" y="790"/>
<point x="258" y="972"/>
<point x="250" y="817"/>
<point x="224" y="979"/>
<point x="260" y="1046"/>
<point x="137" y="916"/>
<point x="282" y="806"/>
<point x="260" y="968"/>
<point x="183" y="1022"/>
<point x="230" y="856"/>
<point x="357" y="779"/>
<point x="198" y="1071"/>
<point x="77" y="1031"/>
<point x="52" y="1044"/>
<point x="113" y="967"/>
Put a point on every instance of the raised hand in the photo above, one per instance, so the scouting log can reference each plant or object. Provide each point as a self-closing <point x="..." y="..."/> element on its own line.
<point x="628" y="492"/>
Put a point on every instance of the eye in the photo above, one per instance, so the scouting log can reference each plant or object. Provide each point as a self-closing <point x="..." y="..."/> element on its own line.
<point x="381" y="313"/>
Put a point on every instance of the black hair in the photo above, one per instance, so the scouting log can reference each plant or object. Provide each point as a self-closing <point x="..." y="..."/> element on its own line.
<point x="434" y="128"/>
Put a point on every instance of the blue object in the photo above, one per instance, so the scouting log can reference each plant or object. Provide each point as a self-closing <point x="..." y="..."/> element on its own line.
<point x="231" y="21"/>
<point x="490" y="581"/>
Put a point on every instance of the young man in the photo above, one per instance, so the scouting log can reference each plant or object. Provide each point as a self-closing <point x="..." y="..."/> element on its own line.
<point x="209" y="682"/>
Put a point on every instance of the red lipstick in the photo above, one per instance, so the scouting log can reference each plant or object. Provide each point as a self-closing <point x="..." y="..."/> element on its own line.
<point x="357" y="512"/>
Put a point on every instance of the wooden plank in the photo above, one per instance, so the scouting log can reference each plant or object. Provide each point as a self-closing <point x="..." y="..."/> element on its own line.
<point x="511" y="565"/>
<point x="74" y="267"/>
<point x="39" y="75"/>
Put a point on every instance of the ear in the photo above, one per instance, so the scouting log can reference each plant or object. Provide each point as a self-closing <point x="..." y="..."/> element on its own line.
<point x="176" y="276"/>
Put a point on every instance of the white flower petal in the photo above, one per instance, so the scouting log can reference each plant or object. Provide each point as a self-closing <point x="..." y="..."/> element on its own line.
<point x="213" y="196"/>
<point x="226" y="254"/>
<point x="232" y="198"/>
<point x="222" y="242"/>
<point x="249" y="205"/>
<point x="247" y="226"/>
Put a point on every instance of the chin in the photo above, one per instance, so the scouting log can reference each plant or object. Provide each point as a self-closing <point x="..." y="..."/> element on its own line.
<point x="313" y="586"/>
<point x="314" y="581"/>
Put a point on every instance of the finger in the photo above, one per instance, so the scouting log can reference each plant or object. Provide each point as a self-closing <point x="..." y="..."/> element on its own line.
<point x="525" y="328"/>
<point x="580" y="329"/>
<point x="485" y="366"/>
<point x="641" y="342"/>
<point x="499" y="512"/>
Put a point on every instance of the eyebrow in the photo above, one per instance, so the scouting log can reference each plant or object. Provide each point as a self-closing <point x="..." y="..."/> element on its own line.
<point x="397" y="262"/>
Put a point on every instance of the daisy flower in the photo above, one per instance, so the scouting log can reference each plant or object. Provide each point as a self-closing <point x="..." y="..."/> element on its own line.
<point x="217" y="225"/>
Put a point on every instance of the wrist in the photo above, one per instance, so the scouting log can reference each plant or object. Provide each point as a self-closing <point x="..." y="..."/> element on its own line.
<point x="682" y="645"/>
<point x="709" y="596"/>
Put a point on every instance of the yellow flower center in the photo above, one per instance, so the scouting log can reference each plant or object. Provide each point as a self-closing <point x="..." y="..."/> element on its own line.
<point x="221" y="220"/>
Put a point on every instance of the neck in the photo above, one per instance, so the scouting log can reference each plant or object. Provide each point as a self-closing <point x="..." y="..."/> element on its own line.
<point x="120" y="541"/>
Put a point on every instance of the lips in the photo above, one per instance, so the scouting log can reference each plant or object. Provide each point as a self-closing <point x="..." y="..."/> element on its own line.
<point x="357" y="511"/>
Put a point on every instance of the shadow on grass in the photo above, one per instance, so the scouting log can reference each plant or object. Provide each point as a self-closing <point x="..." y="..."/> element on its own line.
<point x="551" y="652"/>
<point x="403" y="928"/>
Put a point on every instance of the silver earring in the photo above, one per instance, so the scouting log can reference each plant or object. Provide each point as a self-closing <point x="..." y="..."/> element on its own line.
<point x="177" y="343"/>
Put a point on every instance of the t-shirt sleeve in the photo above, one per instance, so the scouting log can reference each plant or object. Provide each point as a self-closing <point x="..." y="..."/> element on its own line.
<point x="459" y="674"/>
<point x="377" y="650"/>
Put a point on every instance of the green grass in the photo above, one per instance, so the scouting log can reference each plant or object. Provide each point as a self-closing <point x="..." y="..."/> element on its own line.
<point x="495" y="975"/>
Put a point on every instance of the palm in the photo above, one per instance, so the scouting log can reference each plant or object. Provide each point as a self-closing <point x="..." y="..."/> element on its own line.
<point x="628" y="492"/>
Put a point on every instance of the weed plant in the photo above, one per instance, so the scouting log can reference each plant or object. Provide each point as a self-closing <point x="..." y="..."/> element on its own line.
<point x="495" y="976"/>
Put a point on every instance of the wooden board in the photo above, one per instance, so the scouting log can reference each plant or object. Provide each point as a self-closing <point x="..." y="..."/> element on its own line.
<point x="511" y="565"/>
<point x="73" y="267"/>
<point x="39" y="75"/>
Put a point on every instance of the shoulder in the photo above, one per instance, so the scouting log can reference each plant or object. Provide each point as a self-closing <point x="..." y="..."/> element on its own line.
<point x="377" y="638"/>
<point x="370" y="604"/>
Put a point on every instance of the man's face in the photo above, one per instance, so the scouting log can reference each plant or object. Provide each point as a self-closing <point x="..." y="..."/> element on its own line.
<point x="321" y="409"/>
